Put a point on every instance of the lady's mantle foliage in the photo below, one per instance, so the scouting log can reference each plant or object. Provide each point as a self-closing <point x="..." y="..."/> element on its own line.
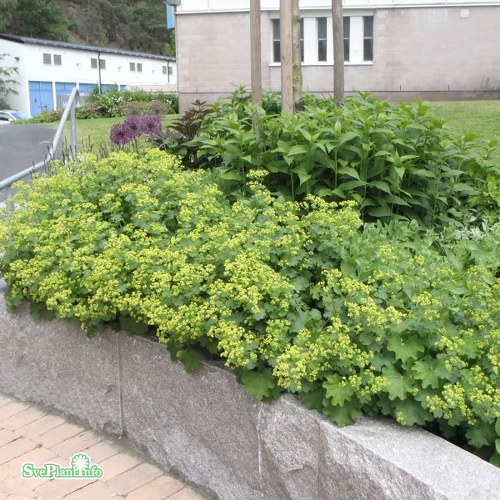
<point x="293" y="295"/>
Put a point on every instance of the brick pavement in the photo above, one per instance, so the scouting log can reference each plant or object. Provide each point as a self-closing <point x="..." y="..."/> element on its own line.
<point x="29" y="433"/>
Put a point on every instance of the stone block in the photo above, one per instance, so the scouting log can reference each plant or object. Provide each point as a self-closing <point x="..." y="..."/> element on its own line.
<point x="54" y="364"/>
<point x="289" y="436"/>
<point x="202" y="426"/>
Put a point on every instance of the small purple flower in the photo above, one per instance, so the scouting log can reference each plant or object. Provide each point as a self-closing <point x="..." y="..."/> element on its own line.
<point x="135" y="124"/>
<point x="121" y="134"/>
<point x="151" y="125"/>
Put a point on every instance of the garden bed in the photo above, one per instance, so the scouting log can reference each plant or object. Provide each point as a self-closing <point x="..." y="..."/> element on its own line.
<point x="206" y="428"/>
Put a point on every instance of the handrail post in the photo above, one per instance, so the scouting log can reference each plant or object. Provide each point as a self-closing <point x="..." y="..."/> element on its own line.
<point x="73" y="130"/>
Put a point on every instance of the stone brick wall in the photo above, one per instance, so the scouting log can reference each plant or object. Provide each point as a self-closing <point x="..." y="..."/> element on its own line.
<point x="424" y="51"/>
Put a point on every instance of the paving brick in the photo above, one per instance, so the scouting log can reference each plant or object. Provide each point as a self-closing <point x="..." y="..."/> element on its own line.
<point x="59" y="434"/>
<point x="116" y="465"/>
<point x="134" y="478"/>
<point x="161" y="487"/>
<point x="16" y="497"/>
<point x="40" y="426"/>
<point x="12" y="486"/>
<point x="58" y="488"/>
<point x="11" y="409"/>
<point x="80" y="442"/>
<point x="38" y="456"/>
<point x="186" y="494"/>
<point x="21" y="419"/>
<point x="15" y="448"/>
<point x="95" y="490"/>
<point x="101" y="451"/>
<point x="7" y="436"/>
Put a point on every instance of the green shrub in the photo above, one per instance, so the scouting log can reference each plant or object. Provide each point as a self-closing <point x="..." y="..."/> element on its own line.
<point x="295" y="296"/>
<point x="394" y="160"/>
<point x="116" y="102"/>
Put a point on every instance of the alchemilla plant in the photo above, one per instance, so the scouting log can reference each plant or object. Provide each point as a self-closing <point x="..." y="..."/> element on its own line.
<point x="295" y="295"/>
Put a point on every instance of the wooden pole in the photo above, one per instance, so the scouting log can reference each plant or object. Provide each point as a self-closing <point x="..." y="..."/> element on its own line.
<point x="255" y="42"/>
<point x="286" y="56"/>
<point x="298" y="103"/>
<point x="338" y="51"/>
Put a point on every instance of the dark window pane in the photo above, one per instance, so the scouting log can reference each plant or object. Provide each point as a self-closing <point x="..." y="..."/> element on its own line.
<point x="276" y="51"/>
<point x="322" y="27"/>
<point x="322" y="50"/>
<point x="368" y="49"/>
<point x="302" y="39"/>
<point x="276" y="29"/>
<point x="368" y="26"/>
<point x="347" y="27"/>
<point x="347" y="46"/>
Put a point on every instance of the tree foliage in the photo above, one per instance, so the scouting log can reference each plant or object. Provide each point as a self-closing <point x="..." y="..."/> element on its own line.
<point x="6" y="81"/>
<point x="138" y="26"/>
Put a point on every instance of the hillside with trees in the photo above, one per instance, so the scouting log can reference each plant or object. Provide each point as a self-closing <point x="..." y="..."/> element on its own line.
<point x="138" y="26"/>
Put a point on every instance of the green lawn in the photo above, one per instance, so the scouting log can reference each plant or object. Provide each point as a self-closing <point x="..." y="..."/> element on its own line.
<point x="481" y="118"/>
<point x="93" y="134"/>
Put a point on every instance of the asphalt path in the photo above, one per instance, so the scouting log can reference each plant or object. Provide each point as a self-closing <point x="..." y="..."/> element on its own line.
<point x="21" y="146"/>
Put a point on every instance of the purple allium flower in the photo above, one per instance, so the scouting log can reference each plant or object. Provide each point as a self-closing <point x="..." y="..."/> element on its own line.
<point x="121" y="134"/>
<point x="151" y="125"/>
<point x="135" y="124"/>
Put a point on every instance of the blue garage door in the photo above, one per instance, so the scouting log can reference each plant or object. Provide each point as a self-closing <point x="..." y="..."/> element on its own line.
<point x="86" y="88"/>
<point x="41" y="98"/>
<point x="63" y="91"/>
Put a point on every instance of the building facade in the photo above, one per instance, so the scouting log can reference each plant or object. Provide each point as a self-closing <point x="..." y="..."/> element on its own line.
<point x="397" y="49"/>
<point x="48" y="71"/>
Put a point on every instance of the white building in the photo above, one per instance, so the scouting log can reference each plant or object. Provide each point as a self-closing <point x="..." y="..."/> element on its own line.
<point x="438" y="49"/>
<point x="48" y="70"/>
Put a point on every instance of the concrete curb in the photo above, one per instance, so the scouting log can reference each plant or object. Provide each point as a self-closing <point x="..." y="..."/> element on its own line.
<point x="205" y="428"/>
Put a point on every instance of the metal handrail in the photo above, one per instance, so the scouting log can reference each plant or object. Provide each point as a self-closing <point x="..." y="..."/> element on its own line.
<point x="68" y="110"/>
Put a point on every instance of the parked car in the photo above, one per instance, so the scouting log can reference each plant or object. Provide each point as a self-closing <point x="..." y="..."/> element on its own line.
<point x="10" y="115"/>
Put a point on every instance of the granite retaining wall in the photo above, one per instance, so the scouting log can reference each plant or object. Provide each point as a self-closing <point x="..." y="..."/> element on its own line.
<point x="205" y="428"/>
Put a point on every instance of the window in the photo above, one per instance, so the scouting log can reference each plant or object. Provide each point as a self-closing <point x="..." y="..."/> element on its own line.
<point x="47" y="59"/>
<point x="322" y="39"/>
<point x="102" y="63"/>
<point x="93" y="63"/>
<point x="170" y="70"/>
<point x="302" y="39"/>
<point x="132" y="66"/>
<point x="368" y="38"/>
<point x="276" y="41"/>
<point x="57" y="60"/>
<point x="347" y="38"/>
<point x="139" y="67"/>
<point x="164" y="70"/>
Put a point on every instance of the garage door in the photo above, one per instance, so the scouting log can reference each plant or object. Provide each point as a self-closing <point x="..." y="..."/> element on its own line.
<point x="41" y="97"/>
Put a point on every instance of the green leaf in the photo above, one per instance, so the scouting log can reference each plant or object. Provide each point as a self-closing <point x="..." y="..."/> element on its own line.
<point x="351" y="172"/>
<point x="313" y="399"/>
<point x="260" y="385"/>
<point x="348" y="136"/>
<point x="412" y="412"/>
<point x="463" y="188"/>
<point x="342" y="415"/>
<point x="380" y="212"/>
<point x="304" y="176"/>
<point x="190" y="359"/>
<point x="497" y="445"/>
<point x="397" y="385"/>
<point x="382" y="185"/>
<point x="481" y="434"/>
<point x="405" y="350"/>
<point x="132" y="326"/>
<point x="425" y="370"/>
<point x="336" y="390"/>
<point x="39" y="311"/>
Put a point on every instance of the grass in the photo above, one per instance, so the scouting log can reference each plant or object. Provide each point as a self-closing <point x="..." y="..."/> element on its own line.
<point x="93" y="133"/>
<point x="481" y="118"/>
